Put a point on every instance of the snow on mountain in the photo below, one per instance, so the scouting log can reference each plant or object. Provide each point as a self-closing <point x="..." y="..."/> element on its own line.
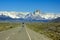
<point x="46" y="16"/>
<point x="14" y="14"/>
<point x="49" y="16"/>
<point x="37" y="15"/>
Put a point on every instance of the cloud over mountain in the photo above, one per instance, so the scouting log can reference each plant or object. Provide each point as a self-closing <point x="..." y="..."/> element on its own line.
<point x="14" y="14"/>
<point x="37" y="15"/>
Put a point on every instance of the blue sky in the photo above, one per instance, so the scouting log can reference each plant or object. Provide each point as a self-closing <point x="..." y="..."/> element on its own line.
<point x="52" y="6"/>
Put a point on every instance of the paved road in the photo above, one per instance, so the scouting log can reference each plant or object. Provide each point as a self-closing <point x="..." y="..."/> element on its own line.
<point x="21" y="33"/>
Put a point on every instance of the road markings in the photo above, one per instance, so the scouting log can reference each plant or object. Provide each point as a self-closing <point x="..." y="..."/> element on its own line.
<point x="10" y="36"/>
<point x="7" y="38"/>
<point x="28" y="34"/>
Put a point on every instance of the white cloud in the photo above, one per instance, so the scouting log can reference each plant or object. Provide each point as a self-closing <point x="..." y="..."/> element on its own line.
<point x="37" y="16"/>
<point x="14" y="14"/>
<point x="48" y="16"/>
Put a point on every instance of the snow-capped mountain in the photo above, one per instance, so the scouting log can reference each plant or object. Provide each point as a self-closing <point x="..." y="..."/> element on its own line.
<point x="14" y="14"/>
<point x="36" y="15"/>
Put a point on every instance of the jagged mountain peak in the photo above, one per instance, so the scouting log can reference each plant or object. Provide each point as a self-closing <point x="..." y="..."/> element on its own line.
<point x="37" y="15"/>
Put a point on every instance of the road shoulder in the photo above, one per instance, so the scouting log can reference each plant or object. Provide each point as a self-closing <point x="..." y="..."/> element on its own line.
<point x="36" y="36"/>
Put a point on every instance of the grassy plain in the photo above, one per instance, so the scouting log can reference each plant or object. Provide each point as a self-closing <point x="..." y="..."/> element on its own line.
<point x="51" y="30"/>
<point x="8" y="25"/>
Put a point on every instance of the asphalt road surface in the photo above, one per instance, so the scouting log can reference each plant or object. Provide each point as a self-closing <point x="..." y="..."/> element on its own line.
<point x="22" y="33"/>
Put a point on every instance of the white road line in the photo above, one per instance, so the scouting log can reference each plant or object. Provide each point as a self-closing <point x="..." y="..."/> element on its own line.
<point x="28" y="34"/>
<point x="10" y="36"/>
<point x="7" y="38"/>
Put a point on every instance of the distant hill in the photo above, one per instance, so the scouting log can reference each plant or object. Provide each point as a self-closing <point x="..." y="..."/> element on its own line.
<point x="9" y="19"/>
<point x="3" y="18"/>
<point x="56" y="20"/>
<point x="35" y="16"/>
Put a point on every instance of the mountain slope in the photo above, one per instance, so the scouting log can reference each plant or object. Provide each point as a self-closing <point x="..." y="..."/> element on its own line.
<point x="3" y="17"/>
<point x="27" y="16"/>
<point x="56" y="20"/>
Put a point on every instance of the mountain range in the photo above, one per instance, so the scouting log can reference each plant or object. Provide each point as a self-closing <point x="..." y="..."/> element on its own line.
<point x="27" y="16"/>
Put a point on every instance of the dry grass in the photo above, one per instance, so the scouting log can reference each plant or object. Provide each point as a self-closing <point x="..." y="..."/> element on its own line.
<point x="8" y="25"/>
<point x="51" y="30"/>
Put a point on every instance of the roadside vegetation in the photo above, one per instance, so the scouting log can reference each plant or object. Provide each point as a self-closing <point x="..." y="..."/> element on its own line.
<point x="8" y="25"/>
<point x="50" y="29"/>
